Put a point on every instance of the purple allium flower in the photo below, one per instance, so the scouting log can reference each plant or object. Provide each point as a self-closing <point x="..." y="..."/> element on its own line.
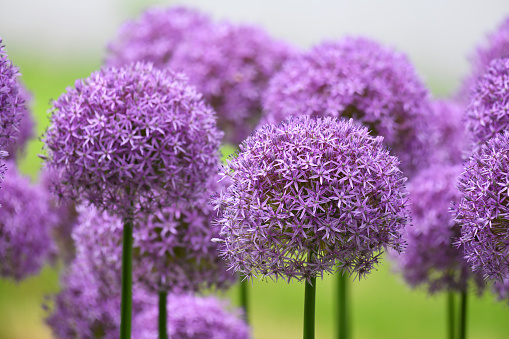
<point x="430" y="258"/>
<point x="172" y="248"/>
<point x="310" y="185"/>
<point x="488" y="111"/>
<point x="231" y="65"/>
<point x="26" y="223"/>
<point x="192" y="317"/>
<point x="451" y="140"/>
<point x="360" y="79"/>
<point x="87" y="306"/>
<point x="12" y="103"/>
<point x="496" y="46"/>
<point x="26" y="126"/>
<point x="483" y="211"/>
<point x="154" y="36"/>
<point x="133" y="136"/>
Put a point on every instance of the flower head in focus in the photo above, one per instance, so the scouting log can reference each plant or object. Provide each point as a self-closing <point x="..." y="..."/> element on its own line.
<point x="308" y="194"/>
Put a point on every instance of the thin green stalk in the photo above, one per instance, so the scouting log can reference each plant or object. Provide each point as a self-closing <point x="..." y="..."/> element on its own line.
<point x="309" y="307"/>
<point x="244" y="298"/>
<point x="163" y="317"/>
<point x="127" y="279"/>
<point x="343" y="319"/>
<point x="463" y="316"/>
<point x="450" y="315"/>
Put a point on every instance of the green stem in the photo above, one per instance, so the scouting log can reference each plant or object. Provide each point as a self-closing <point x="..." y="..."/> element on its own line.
<point x="163" y="333"/>
<point x="343" y="325"/>
<point x="309" y="306"/>
<point x="463" y="316"/>
<point x="450" y="315"/>
<point x="244" y="298"/>
<point x="127" y="279"/>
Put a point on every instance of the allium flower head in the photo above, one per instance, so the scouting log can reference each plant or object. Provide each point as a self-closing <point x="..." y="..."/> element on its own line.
<point x="173" y="250"/>
<point x="488" y="111"/>
<point x="231" y="65"/>
<point x="11" y="100"/>
<point x="430" y="258"/>
<point x="133" y="136"/>
<point x="323" y="187"/>
<point x="26" y="125"/>
<point x="450" y="138"/>
<point x="86" y="307"/>
<point x="26" y="223"/>
<point x="192" y="317"/>
<point x="496" y="46"/>
<point x="360" y="79"/>
<point x="154" y="36"/>
<point x="483" y="211"/>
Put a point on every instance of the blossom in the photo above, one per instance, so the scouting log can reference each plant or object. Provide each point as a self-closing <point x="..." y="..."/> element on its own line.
<point x="154" y="36"/>
<point x="501" y="290"/>
<point x="172" y="248"/>
<point x="193" y="317"/>
<point x="451" y="140"/>
<point x="496" y="46"/>
<point x="430" y="258"/>
<point x="483" y="209"/>
<point x="26" y="126"/>
<point x="322" y="188"/>
<point x="231" y="65"/>
<point x="11" y="100"/>
<point x="488" y="111"/>
<point x="132" y="137"/>
<point x="360" y="79"/>
<point x="26" y="223"/>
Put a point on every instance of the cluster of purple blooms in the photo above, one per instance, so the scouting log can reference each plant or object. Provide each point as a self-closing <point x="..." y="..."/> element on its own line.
<point x="309" y="196"/>
<point x="131" y="138"/>
<point x="431" y="259"/>
<point x="360" y="79"/>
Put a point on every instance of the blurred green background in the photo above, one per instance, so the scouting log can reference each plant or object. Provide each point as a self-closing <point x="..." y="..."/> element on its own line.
<point x="382" y="305"/>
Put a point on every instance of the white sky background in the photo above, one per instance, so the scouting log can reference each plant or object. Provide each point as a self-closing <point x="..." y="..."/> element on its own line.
<point x="438" y="35"/>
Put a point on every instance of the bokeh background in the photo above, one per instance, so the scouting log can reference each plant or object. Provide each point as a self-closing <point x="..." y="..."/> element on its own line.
<point x="56" y="41"/>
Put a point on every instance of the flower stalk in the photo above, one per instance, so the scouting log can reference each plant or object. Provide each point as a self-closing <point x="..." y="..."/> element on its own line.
<point x="309" y="306"/>
<point x="163" y="332"/>
<point x="127" y="279"/>
<point x="343" y="319"/>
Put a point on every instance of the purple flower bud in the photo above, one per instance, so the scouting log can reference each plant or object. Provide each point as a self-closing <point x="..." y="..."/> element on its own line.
<point x="360" y="79"/>
<point x="483" y="211"/>
<point x="319" y="187"/>
<point x="133" y="136"/>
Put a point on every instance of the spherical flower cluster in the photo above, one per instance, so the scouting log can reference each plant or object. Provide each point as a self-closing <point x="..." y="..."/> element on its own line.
<point x="360" y="79"/>
<point x="231" y="65"/>
<point x="488" y="111"/>
<point x="307" y="195"/>
<point x="132" y="136"/>
<point x="173" y="250"/>
<point x="451" y="140"/>
<point x="26" y="126"/>
<point x="12" y="104"/>
<point x="191" y="317"/>
<point x="430" y="258"/>
<point x="154" y="36"/>
<point x="86" y="307"/>
<point x="483" y="211"/>
<point x="496" y="46"/>
<point x="26" y="223"/>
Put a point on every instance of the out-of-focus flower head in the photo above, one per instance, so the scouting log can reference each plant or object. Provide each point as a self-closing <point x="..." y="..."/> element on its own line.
<point x="360" y="79"/>
<point x="192" y="317"/>
<point x="430" y="258"/>
<point x="231" y="65"/>
<point x="154" y="36"/>
<point x="496" y="46"/>
<point x="26" y="126"/>
<point x="501" y="290"/>
<point x="483" y="211"/>
<point x="12" y="101"/>
<point x="26" y="223"/>
<point x="132" y="137"/>
<point x="308" y="194"/>
<point x="488" y="111"/>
